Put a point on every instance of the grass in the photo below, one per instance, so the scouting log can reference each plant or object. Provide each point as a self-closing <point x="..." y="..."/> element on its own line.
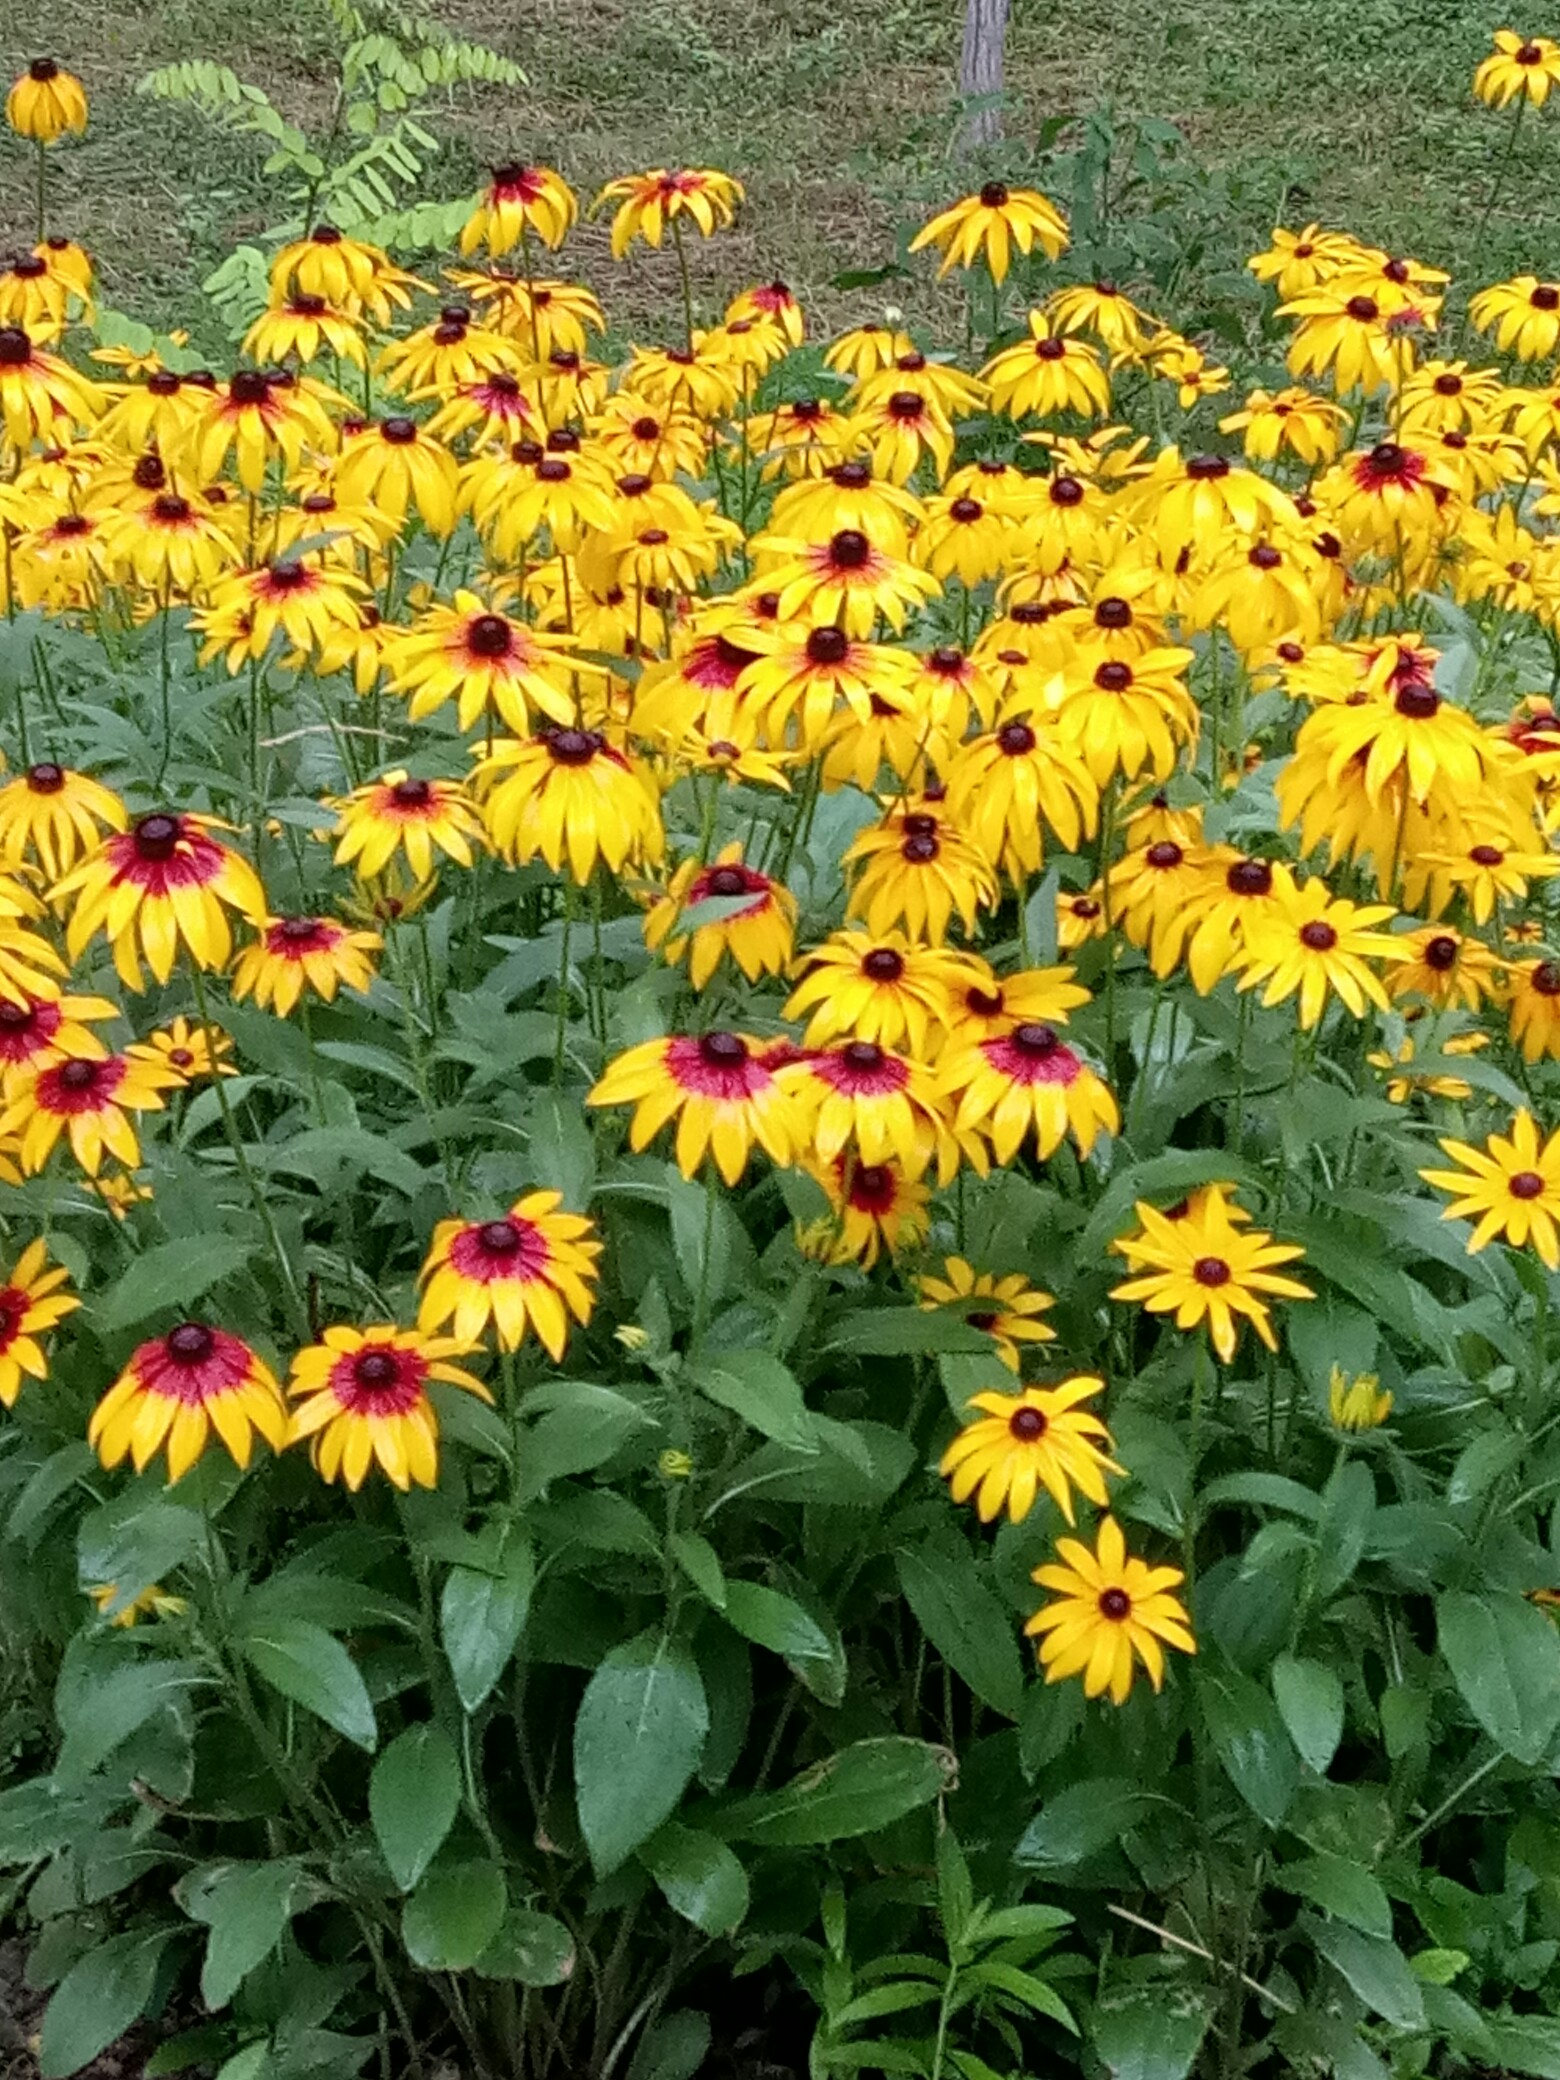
<point x="839" y="120"/>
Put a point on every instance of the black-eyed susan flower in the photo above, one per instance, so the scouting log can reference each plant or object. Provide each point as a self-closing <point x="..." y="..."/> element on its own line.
<point x="293" y="951"/>
<point x="1103" y="308"/>
<point x="398" y="813"/>
<point x="192" y="1051"/>
<point x="517" y="200"/>
<point x="88" y="1098"/>
<point x="531" y="1269"/>
<point x="361" y="1396"/>
<point x="1040" y="1437"/>
<point x="848" y="496"/>
<point x="861" y="1096"/>
<point x="512" y="496"/>
<point x="394" y="465"/>
<point x="1510" y="1188"/>
<point x="649" y="203"/>
<point x="916" y="868"/>
<point x="349" y="273"/>
<point x="1007" y="788"/>
<point x="493" y="407"/>
<point x="1484" y="874"/>
<point x="845" y="580"/>
<point x="1208" y="1266"/>
<point x="486" y="661"/>
<point x="1007" y="1309"/>
<point x="1523" y="315"/>
<point x="966" y="538"/>
<point x="1319" y="945"/>
<point x="52" y="815"/>
<point x="1298" y="260"/>
<point x="1108" y="1613"/>
<point x="33" y="1029"/>
<point x="1050" y="372"/>
<point x="166" y="881"/>
<point x="46" y="102"/>
<point x="1532" y="996"/>
<point x="304" y="599"/>
<point x="176" y="1389"/>
<point x="160" y="413"/>
<point x="41" y="396"/>
<point x="1127" y="718"/>
<point x="1448" y="968"/>
<point x="990" y="224"/>
<point x="257" y="418"/>
<point x="1296" y="420"/>
<point x="720" y="1089"/>
<point x="1525" y="65"/>
<point x="167" y="543"/>
<point x="802" y="676"/>
<point x="31" y="1304"/>
<point x="1002" y="1089"/>
<point x="987" y="1006"/>
<point x="303" y="329"/>
<point x="570" y="796"/>
<point x="1356" y="1403"/>
<point x="873" y="1207"/>
<point x="1345" y="332"/>
<point x="440" y="357"/>
<point x="757" y="931"/>
<point x="880" y="986"/>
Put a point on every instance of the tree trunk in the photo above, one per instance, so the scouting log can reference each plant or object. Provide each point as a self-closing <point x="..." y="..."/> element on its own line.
<point x="980" y="70"/>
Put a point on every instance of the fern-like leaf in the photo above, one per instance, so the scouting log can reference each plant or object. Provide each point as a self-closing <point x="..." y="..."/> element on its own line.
<point x="221" y="98"/>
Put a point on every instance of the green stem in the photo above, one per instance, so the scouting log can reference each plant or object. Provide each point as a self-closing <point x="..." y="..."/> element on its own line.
<point x="687" y="290"/>
<point x="1477" y="245"/>
<point x="563" y="983"/>
<point x="306" y="1020"/>
<point x="164" y="684"/>
<point x="1107" y="841"/>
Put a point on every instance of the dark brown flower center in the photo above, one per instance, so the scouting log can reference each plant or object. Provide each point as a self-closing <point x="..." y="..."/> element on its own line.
<point x="850" y="550"/>
<point x="965" y="510"/>
<point x="499" y="1238"/>
<point x="575" y="747"/>
<point x="1113" y="613"/>
<point x="1417" y="700"/>
<point x="883" y="964"/>
<point x="1546" y="979"/>
<point x="1318" y="936"/>
<point x="1164" y="853"/>
<point x="170" y="507"/>
<point x="1211" y="1271"/>
<point x="157" y="837"/>
<point x="15" y="347"/>
<point x="985" y="1003"/>
<point x="46" y="778"/>
<point x="488" y="636"/>
<point x="1016" y="739"/>
<point x="723" y="1050"/>
<point x="1115" y="1604"/>
<point x="190" y="1344"/>
<point x="1486" y="855"/>
<point x="43" y="70"/>
<point x="1113" y="676"/>
<point x="1035" y="1041"/>
<point x="1066" y="491"/>
<point x="1545" y="297"/>
<point x="1441" y="952"/>
<point x="412" y="794"/>
<point x="374" y="1369"/>
<point x="865" y="1057"/>
<point x="77" y="1075"/>
<point x="1207" y="468"/>
<point x="906" y="404"/>
<point x="1525" y="1184"/>
<point x="920" y="848"/>
<point x="249" y="386"/>
<point x="399" y="432"/>
<point x="1264" y="557"/>
<point x="1529" y="54"/>
<point x="1050" y="349"/>
<point x="1363" y="308"/>
<point x="1249" y="877"/>
<point x="946" y="659"/>
<point x="1028" y="1425"/>
<point x="994" y="195"/>
<point x="727" y="881"/>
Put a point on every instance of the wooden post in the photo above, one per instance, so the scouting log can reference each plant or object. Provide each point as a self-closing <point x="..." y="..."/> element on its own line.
<point x="980" y="70"/>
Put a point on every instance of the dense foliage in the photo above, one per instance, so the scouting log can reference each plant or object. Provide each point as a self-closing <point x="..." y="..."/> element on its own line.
<point x="779" y="1215"/>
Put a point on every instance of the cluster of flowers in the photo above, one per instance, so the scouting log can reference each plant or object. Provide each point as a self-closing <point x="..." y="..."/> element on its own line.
<point x="997" y="648"/>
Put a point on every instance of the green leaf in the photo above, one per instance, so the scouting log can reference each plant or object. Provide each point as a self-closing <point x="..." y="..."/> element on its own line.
<point x="700" y="1876"/>
<point x="1345" y="1888"/>
<point x="247" y="1907"/>
<point x="1310" y="1703"/>
<point x="562" y="1147"/>
<point x="98" y="1712"/>
<point x="1343" y="1526"/>
<point x="759" y="1389"/>
<point x="1505" y="1657"/>
<point x="454" y="1914"/>
<point x="1080" y="1821"/>
<point x="854" y="1792"/>
<point x="530" y="1947"/>
<point x="170" y="1274"/>
<point x="771" y="1620"/>
<point x="700" y="1562"/>
<point x="1249" y="1738"/>
<point x="674" y="2049"/>
<point x="965" y="1622"/>
<point x="586" y="1425"/>
<point x="1376" y="1970"/>
<point x="98" y="1999"/>
<point x="1266" y="1491"/>
<point x="304" y="1662"/>
<point x="1527" y="2043"/>
<point x="413" y="1797"/>
<point x="637" y="1741"/>
<point x="1150" y="2032"/>
<point x="902" y="1332"/>
<point x="482" y="1615"/>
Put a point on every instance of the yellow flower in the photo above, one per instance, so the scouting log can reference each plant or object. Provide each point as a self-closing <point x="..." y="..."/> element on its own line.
<point x="362" y="1396"/>
<point x="1523" y="314"/>
<point x="89" y="1098"/>
<point x="758" y="932"/>
<point x="1527" y="65"/>
<point x="1358" y="1403"/>
<point x="721" y="1091"/>
<point x="1005" y="1309"/>
<point x="1026" y="1080"/>
<point x="647" y="203"/>
<point x="154" y="1602"/>
<point x="570" y="796"/>
<point x="164" y="882"/>
<point x="519" y="199"/>
<point x="46" y="102"/>
<point x="397" y="813"/>
<point x="1109" y="1611"/>
<point x="393" y="465"/>
<point x="489" y="662"/>
<point x="532" y="1269"/>
<point x="878" y="986"/>
<point x="30" y="1306"/>
<point x="176" y="1390"/>
<point x="1019" y="1443"/>
<point x="991" y="224"/>
<point x="52" y="815"/>
<point x="1512" y="1185"/>
<point x="1048" y="373"/>
<point x="1312" y="942"/>
<point x="192" y="1051"/>
<point x="873" y="1207"/>
<point x="1203" y="1267"/>
<point x="292" y="951"/>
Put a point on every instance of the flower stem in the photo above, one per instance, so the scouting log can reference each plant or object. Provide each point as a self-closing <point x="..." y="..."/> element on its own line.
<point x="1501" y="172"/>
<point x="43" y="182"/>
<point x="687" y="290"/>
<point x="563" y="983"/>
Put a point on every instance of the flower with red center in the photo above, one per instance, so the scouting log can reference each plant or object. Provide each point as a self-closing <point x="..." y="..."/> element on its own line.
<point x="30" y="1305"/>
<point x="1002" y="1088"/>
<point x="45" y="102"/>
<point x="41" y="396"/>
<point x="724" y="909"/>
<point x="176" y="1389"/>
<point x="164" y="881"/>
<point x="169" y="542"/>
<point x="773" y="301"/>
<point x="33" y="1028"/>
<point x="518" y="200"/>
<point x="872" y="1207"/>
<point x="1108" y="1612"/>
<point x="719" y="1088"/>
<point x="1008" y="1309"/>
<point x="647" y="203"/>
<point x="400" y="814"/>
<point x="572" y="797"/>
<point x="495" y="406"/>
<point x="878" y="986"/>
<point x="1207" y="1265"/>
<point x="489" y="663"/>
<point x="990" y="224"/>
<point x="1019" y="1443"/>
<point x="806" y="676"/>
<point x="88" y="1098"/>
<point x="858" y="1095"/>
<point x="292" y="951"/>
<point x="846" y="580"/>
<point x="257" y="419"/>
<point x="1525" y="65"/>
<point x="362" y="1395"/>
<point x="1511" y="1186"/>
<point x="194" y="1052"/>
<point x="532" y="1268"/>
<point x="310" y="602"/>
<point x="53" y="815"/>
